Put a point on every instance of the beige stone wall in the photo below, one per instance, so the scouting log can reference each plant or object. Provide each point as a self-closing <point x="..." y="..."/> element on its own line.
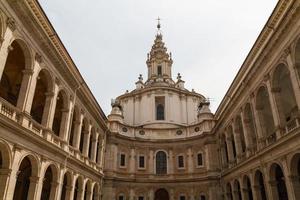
<point x="76" y="166"/>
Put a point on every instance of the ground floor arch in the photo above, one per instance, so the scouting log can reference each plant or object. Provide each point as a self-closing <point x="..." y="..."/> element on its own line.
<point x="161" y="194"/>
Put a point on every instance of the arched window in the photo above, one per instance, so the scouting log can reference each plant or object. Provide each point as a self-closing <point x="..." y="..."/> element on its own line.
<point x="160" y="112"/>
<point x="161" y="163"/>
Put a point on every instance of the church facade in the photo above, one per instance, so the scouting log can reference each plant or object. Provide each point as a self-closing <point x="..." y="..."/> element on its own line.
<point x="160" y="140"/>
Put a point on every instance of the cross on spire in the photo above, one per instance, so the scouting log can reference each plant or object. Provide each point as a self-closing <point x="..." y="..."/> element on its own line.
<point x="158" y="23"/>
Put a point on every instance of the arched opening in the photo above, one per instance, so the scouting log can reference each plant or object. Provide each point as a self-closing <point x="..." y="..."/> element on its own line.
<point x="265" y="115"/>
<point x="99" y="143"/>
<point x="64" y="188"/>
<point x="250" y="126"/>
<point x="229" y="192"/>
<point x="12" y="76"/>
<point x="95" y="192"/>
<point x="23" y="180"/>
<point x="60" y="108"/>
<point x="84" y="128"/>
<point x="237" y="190"/>
<point x="78" y="189"/>
<point x="47" y="182"/>
<point x="247" y="188"/>
<point x="282" y="88"/>
<point x="161" y="194"/>
<point x="42" y="92"/>
<point x="240" y="131"/>
<point x="295" y="173"/>
<point x="161" y="163"/>
<point x="4" y="167"/>
<point x="75" y="122"/>
<point x="224" y="150"/>
<point x="278" y="188"/>
<point x="232" y="141"/>
<point x="260" y="185"/>
<point x="92" y="138"/>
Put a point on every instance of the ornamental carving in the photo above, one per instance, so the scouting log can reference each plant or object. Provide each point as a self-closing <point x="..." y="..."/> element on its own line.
<point x="10" y="22"/>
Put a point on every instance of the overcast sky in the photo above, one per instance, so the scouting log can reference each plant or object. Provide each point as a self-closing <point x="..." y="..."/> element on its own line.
<point x="109" y="40"/>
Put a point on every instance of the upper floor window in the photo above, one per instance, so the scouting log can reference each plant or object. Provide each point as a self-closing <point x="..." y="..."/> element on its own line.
<point x="160" y="107"/>
<point x="141" y="161"/>
<point x="199" y="159"/>
<point x="122" y="160"/>
<point x="161" y="162"/>
<point x="180" y="161"/>
<point x="159" y="70"/>
<point x="160" y="112"/>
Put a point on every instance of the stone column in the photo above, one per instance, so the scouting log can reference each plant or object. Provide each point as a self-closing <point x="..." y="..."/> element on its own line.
<point x="261" y="138"/>
<point x="4" y="177"/>
<point x="192" y="195"/>
<point x="230" y="150"/>
<point x="35" y="188"/>
<point x="287" y="180"/>
<point x="94" y="147"/>
<point x="52" y="106"/>
<point x="5" y="43"/>
<point x="190" y="160"/>
<point x="69" y="192"/>
<point x="247" y="134"/>
<point x="170" y="162"/>
<point x="223" y="155"/>
<point x="100" y="150"/>
<point x="274" y="109"/>
<point x="132" y="161"/>
<point x="268" y="183"/>
<point x="54" y="190"/>
<point x="86" y="141"/>
<point x="48" y="110"/>
<point x="131" y="194"/>
<point x="151" y="194"/>
<point x="88" y="195"/>
<point x="294" y="80"/>
<point x="237" y="140"/>
<point x="77" y="132"/>
<point x="64" y="126"/>
<point x="151" y="162"/>
<point x="25" y="88"/>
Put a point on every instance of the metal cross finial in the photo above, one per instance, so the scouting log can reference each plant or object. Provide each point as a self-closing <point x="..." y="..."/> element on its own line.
<point x="158" y="23"/>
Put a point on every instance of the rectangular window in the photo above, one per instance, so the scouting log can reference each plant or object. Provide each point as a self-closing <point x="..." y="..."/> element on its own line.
<point x="159" y="71"/>
<point x="199" y="159"/>
<point x="141" y="161"/>
<point x="160" y="108"/>
<point x="182" y="197"/>
<point x="121" y="198"/>
<point x="202" y="197"/>
<point x="122" y="160"/>
<point x="141" y="198"/>
<point x="180" y="162"/>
